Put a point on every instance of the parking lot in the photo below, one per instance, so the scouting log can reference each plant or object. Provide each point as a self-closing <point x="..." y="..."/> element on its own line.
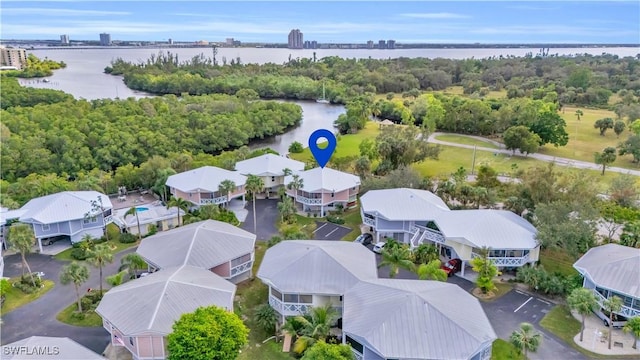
<point x="329" y="231"/>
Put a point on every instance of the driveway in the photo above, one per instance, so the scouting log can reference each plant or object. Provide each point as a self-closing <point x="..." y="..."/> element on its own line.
<point x="39" y="317"/>
<point x="266" y="217"/>
<point x="507" y="312"/>
<point x="329" y="231"/>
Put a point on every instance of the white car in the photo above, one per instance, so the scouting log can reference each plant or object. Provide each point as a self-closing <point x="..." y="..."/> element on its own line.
<point x="377" y="248"/>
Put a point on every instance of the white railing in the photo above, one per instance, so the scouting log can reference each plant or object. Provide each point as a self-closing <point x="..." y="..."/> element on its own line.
<point x="353" y="198"/>
<point x="239" y="269"/>
<point x="369" y="221"/>
<point x="433" y="235"/>
<point x="309" y="201"/>
<point x="414" y="239"/>
<point x="214" y="201"/>
<point x="624" y="311"/>
<point x="506" y="261"/>
<point x="287" y="309"/>
<point x="357" y="354"/>
<point x="108" y="219"/>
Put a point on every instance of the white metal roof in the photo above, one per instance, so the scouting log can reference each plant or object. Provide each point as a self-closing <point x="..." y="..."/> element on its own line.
<point x="147" y="214"/>
<point x="613" y="266"/>
<point x="206" y="178"/>
<point x="497" y="229"/>
<point x="326" y="179"/>
<point x="317" y="266"/>
<point x="268" y="165"/>
<point x="204" y="244"/>
<point x="6" y="214"/>
<point x="403" y="204"/>
<point x="416" y="319"/>
<point x="67" y="349"/>
<point x="62" y="206"/>
<point x="151" y="304"/>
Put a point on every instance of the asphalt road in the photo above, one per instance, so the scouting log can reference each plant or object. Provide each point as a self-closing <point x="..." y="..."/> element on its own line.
<point x="266" y="218"/>
<point x="329" y="231"/>
<point x="39" y="317"/>
<point x="557" y="160"/>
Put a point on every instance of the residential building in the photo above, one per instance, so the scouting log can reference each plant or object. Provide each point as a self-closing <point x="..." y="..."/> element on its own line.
<point x="613" y="270"/>
<point x="391" y="44"/>
<point x="415" y="319"/>
<point x="170" y="41"/>
<point x="370" y="44"/>
<point x="270" y="168"/>
<point x="314" y="44"/>
<point x="139" y="314"/>
<point x="13" y="58"/>
<point x="295" y="39"/>
<point x="64" y="39"/>
<point x="418" y="216"/>
<point x="381" y="318"/>
<point x="68" y="213"/>
<point x="229" y="41"/>
<point x="324" y="188"/>
<point x="305" y="273"/>
<point x="201" y="186"/>
<point x="147" y="216"/>
<point x="382" y="44"/>
<point x="222" y="248"/>
<point x="39" y="347"/>
<point x="105" y="39"/>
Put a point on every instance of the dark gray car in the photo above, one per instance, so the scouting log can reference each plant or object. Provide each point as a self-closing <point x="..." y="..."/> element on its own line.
<point x="364" y="239"/>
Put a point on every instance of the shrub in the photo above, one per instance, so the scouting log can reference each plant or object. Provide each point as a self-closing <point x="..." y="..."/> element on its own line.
<point x="274" y="240"/>
<point x="77" y="316"/>
<point x="79" y="253"/>
<point x="86" y="303"/>
<point x="335" y="219"/>
<point x="152" y="229"/>
<point x="127" y="238"/>
<point x="227" y="216"/>
<point x="295" y="148"/>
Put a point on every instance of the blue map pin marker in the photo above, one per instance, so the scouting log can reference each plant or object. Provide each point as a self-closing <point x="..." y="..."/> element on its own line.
<point x="322" y="156"/>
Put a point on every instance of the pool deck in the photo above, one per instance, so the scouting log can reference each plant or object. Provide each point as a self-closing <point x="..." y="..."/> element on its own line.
<point x="132" y="199"/>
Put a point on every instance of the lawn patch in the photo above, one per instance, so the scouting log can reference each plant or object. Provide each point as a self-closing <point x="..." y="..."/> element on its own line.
<point x="115" y="245"/>
<point x="557" y="261"/>
<point x="16" y="298"/>
<point x="503" y="350"/>
<point x="89" y="319"/>
<point x="466" y="140"/>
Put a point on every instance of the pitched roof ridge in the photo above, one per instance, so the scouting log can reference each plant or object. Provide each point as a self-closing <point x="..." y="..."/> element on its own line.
<point x="162" y="294"/>
<point x="193" y="240"/>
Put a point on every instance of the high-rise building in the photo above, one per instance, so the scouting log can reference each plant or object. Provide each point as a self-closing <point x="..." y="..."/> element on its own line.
<point x="314" y="44"/>
<point x="229" y="41"/>
<point x="391" y="44"/>
<point x="295" y="39"/>
<point x="105" y="39"/>
<point x="64" y="39"/>
<point x="370" y="44"/>
<point x="170" y="41"/>
<point x="382" y="44"/>
<point x="13" y="57"/>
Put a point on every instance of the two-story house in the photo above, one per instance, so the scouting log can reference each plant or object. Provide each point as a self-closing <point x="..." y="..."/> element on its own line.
<point x="613" y="270"/>
<point x="418" y="216"/>
<point x="324" y="188"/>
<point x="222" y="248"/>
<point x="201" y="186"/>
<point x="68" y="213"/>
<point x="139" y="314"/>
<point x="271" y="169"/>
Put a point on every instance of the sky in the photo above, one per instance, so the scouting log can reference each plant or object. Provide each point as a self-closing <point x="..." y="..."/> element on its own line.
<point x="601" y="22"/>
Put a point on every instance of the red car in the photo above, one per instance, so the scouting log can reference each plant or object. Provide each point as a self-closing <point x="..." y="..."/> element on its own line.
<point x="452" y="266"/>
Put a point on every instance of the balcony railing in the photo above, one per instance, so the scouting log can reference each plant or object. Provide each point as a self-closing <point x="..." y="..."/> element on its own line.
<point x="288" y="309"/>
<point x="369" y="221"/>
<point x="506" y="261"/>
<point x="108" y="219"/>
<point x="357" y="354"/>
<point x="239" y="269"/>
<point x="309" y="201"/>
<point x="421" y="233"/>
<point x="624" y="311"/>
<point x="214" y="201"/>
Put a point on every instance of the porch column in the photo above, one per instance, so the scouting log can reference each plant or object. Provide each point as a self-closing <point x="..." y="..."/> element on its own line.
<point x="377" y="236"/>
<point x="464" y="263"/>
<point x="40" y="244"/>
<point x="243" y="199"/>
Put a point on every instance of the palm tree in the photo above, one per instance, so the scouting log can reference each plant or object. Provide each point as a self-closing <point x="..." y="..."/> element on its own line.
<point x="582" y="300"/>
<point x="132" y="262"/>
<point x="612" y="305"/>
<point x="526" y="338"/>
<point x="22" y="239"/>
<point x="396" y="258"/>
<point x="100" y="255"/>
<point x="134" y="211"/>
<point x="77" y="274"/>
<point x="254" y="186"/>
<point x="266" y="318"/>
<point x="98" y="207"/>
<point x="226" y="187"/>
<point x="116" y="279"/>
<point x="431" y="271"/>
<point x="579" y="113"/>
<point x="179" y="203"/>
<point x="316" y="325"/>
<point x="286" y="208"/>
<point x="633" y="326"/>
<point x="296" y="184"/>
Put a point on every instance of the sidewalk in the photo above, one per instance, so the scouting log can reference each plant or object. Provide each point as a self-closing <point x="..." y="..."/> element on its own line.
<point x="594" y="341"/>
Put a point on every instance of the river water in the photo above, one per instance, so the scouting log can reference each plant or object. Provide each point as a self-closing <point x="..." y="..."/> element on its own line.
<point x="84" y="76"/>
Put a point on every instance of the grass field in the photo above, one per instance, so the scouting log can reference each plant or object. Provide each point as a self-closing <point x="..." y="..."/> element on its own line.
<point x="91" y="319"/>
<point x="465" y="140"/>
<point x="16" y="298"/>
<point x="503" y="350"/>
<point x="115" y="245"/>
<point x="557" y="261"/>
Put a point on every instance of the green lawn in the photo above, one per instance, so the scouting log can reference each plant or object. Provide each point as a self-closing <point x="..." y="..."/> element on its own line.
<point x="16" y="298"/>
<point x="117" y="246"/>
<point x="91" y="319"/>
<point x="503" y="350"/>
<point x="465" y="140"/>
<point x="557" y="261"/>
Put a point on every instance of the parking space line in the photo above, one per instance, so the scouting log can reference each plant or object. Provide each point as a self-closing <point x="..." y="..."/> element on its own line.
<point x="321" y="226"/>
<point x="332" y="231"/>
<point x="546" y="302"/>
<point x="523" y="304"/>
<point x="520" y="292"/>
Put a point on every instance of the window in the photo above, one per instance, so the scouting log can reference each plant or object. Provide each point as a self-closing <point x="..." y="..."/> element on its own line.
<point x="603" y="292"/>
<point x="273" y="178"/>
<point x="276" y="294"/>
<point x="306" y="299"/>
<point x="355" y="345"/>
<point x="291" y="298"/>
<point x="636" y="304"/>
<point x="45" y="227"/>
<point x="90" y="220"/>
<point x="131" y="341"/>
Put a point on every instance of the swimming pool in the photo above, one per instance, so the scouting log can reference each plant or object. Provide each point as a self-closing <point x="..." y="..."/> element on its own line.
<point x="141" y="208"/>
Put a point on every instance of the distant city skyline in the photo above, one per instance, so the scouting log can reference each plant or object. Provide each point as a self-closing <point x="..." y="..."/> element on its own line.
<point x="610" y="22"/>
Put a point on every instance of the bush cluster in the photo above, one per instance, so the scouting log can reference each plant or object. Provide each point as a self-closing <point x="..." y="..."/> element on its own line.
<point x="335" y="219"/>
<point x="541" y="281"/>
<point x="127" y="238"/>
<point x="25" y="284"/>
